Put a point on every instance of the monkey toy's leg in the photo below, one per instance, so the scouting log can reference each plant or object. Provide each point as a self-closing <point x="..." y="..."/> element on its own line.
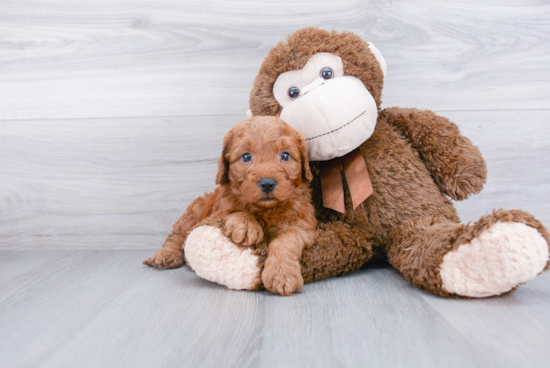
<point x="339" y="250"/>
<point x="171" y="253"/>
<point x="491" y="257"/>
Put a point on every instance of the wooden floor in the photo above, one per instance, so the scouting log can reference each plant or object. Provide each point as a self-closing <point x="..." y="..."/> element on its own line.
<point x="104" y="309"/>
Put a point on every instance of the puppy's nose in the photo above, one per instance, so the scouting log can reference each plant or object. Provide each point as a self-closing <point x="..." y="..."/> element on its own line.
<point x="267" y="184"/>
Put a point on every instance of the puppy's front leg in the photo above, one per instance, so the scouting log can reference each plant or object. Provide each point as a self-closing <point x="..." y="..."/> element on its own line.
<point x="242" y="228"/>
<point x="282" y="271"/>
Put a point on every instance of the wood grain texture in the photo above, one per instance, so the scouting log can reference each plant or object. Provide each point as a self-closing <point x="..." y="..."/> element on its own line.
<point x="128" y="58"/>
<point x="516" y="146"/>
<point x="105" y="309"/>
<point x="122" y="183"/>
<point x="103" y="183"/>
<point x="370" y="318"/>
<point x="112" y="114"/>
<point x="43" y="307"/>
<point x="498" y="324"/>
<point x="15" y="264"/>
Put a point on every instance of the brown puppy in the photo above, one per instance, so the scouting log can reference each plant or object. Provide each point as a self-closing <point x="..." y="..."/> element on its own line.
<point x="263" y="192"/>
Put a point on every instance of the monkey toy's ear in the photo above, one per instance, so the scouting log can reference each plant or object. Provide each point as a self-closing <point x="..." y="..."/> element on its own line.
<point x="223" y="164"/>
<point x="379" y="57"/>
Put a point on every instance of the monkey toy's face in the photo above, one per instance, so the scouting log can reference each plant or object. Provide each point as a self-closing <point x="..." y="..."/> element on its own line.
<point x="327" y="96"/>
<point x="335" y="112"/>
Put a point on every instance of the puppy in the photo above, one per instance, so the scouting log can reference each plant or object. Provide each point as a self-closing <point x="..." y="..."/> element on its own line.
<point x="263" y="192"/>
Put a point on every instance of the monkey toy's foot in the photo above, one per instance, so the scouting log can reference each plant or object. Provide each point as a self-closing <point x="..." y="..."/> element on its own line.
<point x="490" y="257"/>
<point x="495" y="261"/>
<point x="506" y="249"/>
<point x="216" y="258"/>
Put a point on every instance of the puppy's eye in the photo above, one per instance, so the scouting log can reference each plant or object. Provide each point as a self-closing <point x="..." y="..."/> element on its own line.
<point x="246" y="157"/>
<point x="285" y="156"/>
<point x="326" y="73"/>
<point x="294" y="92"/>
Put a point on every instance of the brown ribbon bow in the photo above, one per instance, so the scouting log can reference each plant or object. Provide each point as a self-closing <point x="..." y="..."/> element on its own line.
<point x="357" y="176"/>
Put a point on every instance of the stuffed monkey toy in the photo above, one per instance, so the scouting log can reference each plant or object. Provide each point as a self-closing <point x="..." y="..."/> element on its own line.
<point x="382" y="183"/>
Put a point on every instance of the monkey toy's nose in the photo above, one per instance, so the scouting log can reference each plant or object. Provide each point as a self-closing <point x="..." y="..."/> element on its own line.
<point x="267" y="184"/>
<point x="310" y="87"/>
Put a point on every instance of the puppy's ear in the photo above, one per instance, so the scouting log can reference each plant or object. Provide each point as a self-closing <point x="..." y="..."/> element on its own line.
<point x="306" y="171"/>
<point x="223" y="164"/>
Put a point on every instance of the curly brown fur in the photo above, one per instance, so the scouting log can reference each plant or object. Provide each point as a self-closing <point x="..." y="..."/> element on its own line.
<point x="248" y="214"/>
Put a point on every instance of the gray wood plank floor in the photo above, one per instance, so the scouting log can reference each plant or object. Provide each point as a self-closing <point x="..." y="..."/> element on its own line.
<point x="104" y="309"/>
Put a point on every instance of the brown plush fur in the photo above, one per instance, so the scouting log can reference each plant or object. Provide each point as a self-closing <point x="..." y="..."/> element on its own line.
<point x="293" y="53"/>
<point x="417" y="248"/>
<point x="247" y="215"/>
<point x="415" y="160"/>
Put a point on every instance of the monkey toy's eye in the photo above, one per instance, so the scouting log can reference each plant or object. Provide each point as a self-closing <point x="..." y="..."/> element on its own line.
<point x="285" y="156"/>
<point x="293" y="92"/>
<point x="326" y="73"/>
<point x="246" y="157"/>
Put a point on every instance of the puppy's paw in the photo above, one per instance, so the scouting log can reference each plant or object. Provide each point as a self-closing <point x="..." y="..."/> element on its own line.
<point x="243" y="229"/>
<point x="165" y="258"/>
<point x="282" y="277"/>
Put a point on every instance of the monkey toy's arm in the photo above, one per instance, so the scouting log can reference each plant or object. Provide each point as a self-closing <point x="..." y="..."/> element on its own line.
<point x="453" y="161"/>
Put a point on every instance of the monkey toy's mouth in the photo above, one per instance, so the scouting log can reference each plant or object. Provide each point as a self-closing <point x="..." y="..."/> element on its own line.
<point x="337" y="129"/>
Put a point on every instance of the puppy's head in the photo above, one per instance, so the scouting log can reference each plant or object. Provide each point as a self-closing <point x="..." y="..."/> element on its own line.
<point x="264" y="161"/>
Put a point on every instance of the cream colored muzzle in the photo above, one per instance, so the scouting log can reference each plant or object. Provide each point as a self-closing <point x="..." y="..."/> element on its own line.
<point x="335" y="116"/>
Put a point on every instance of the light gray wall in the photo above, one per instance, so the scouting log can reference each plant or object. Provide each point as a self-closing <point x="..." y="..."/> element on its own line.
<point x="112" y="112"/>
